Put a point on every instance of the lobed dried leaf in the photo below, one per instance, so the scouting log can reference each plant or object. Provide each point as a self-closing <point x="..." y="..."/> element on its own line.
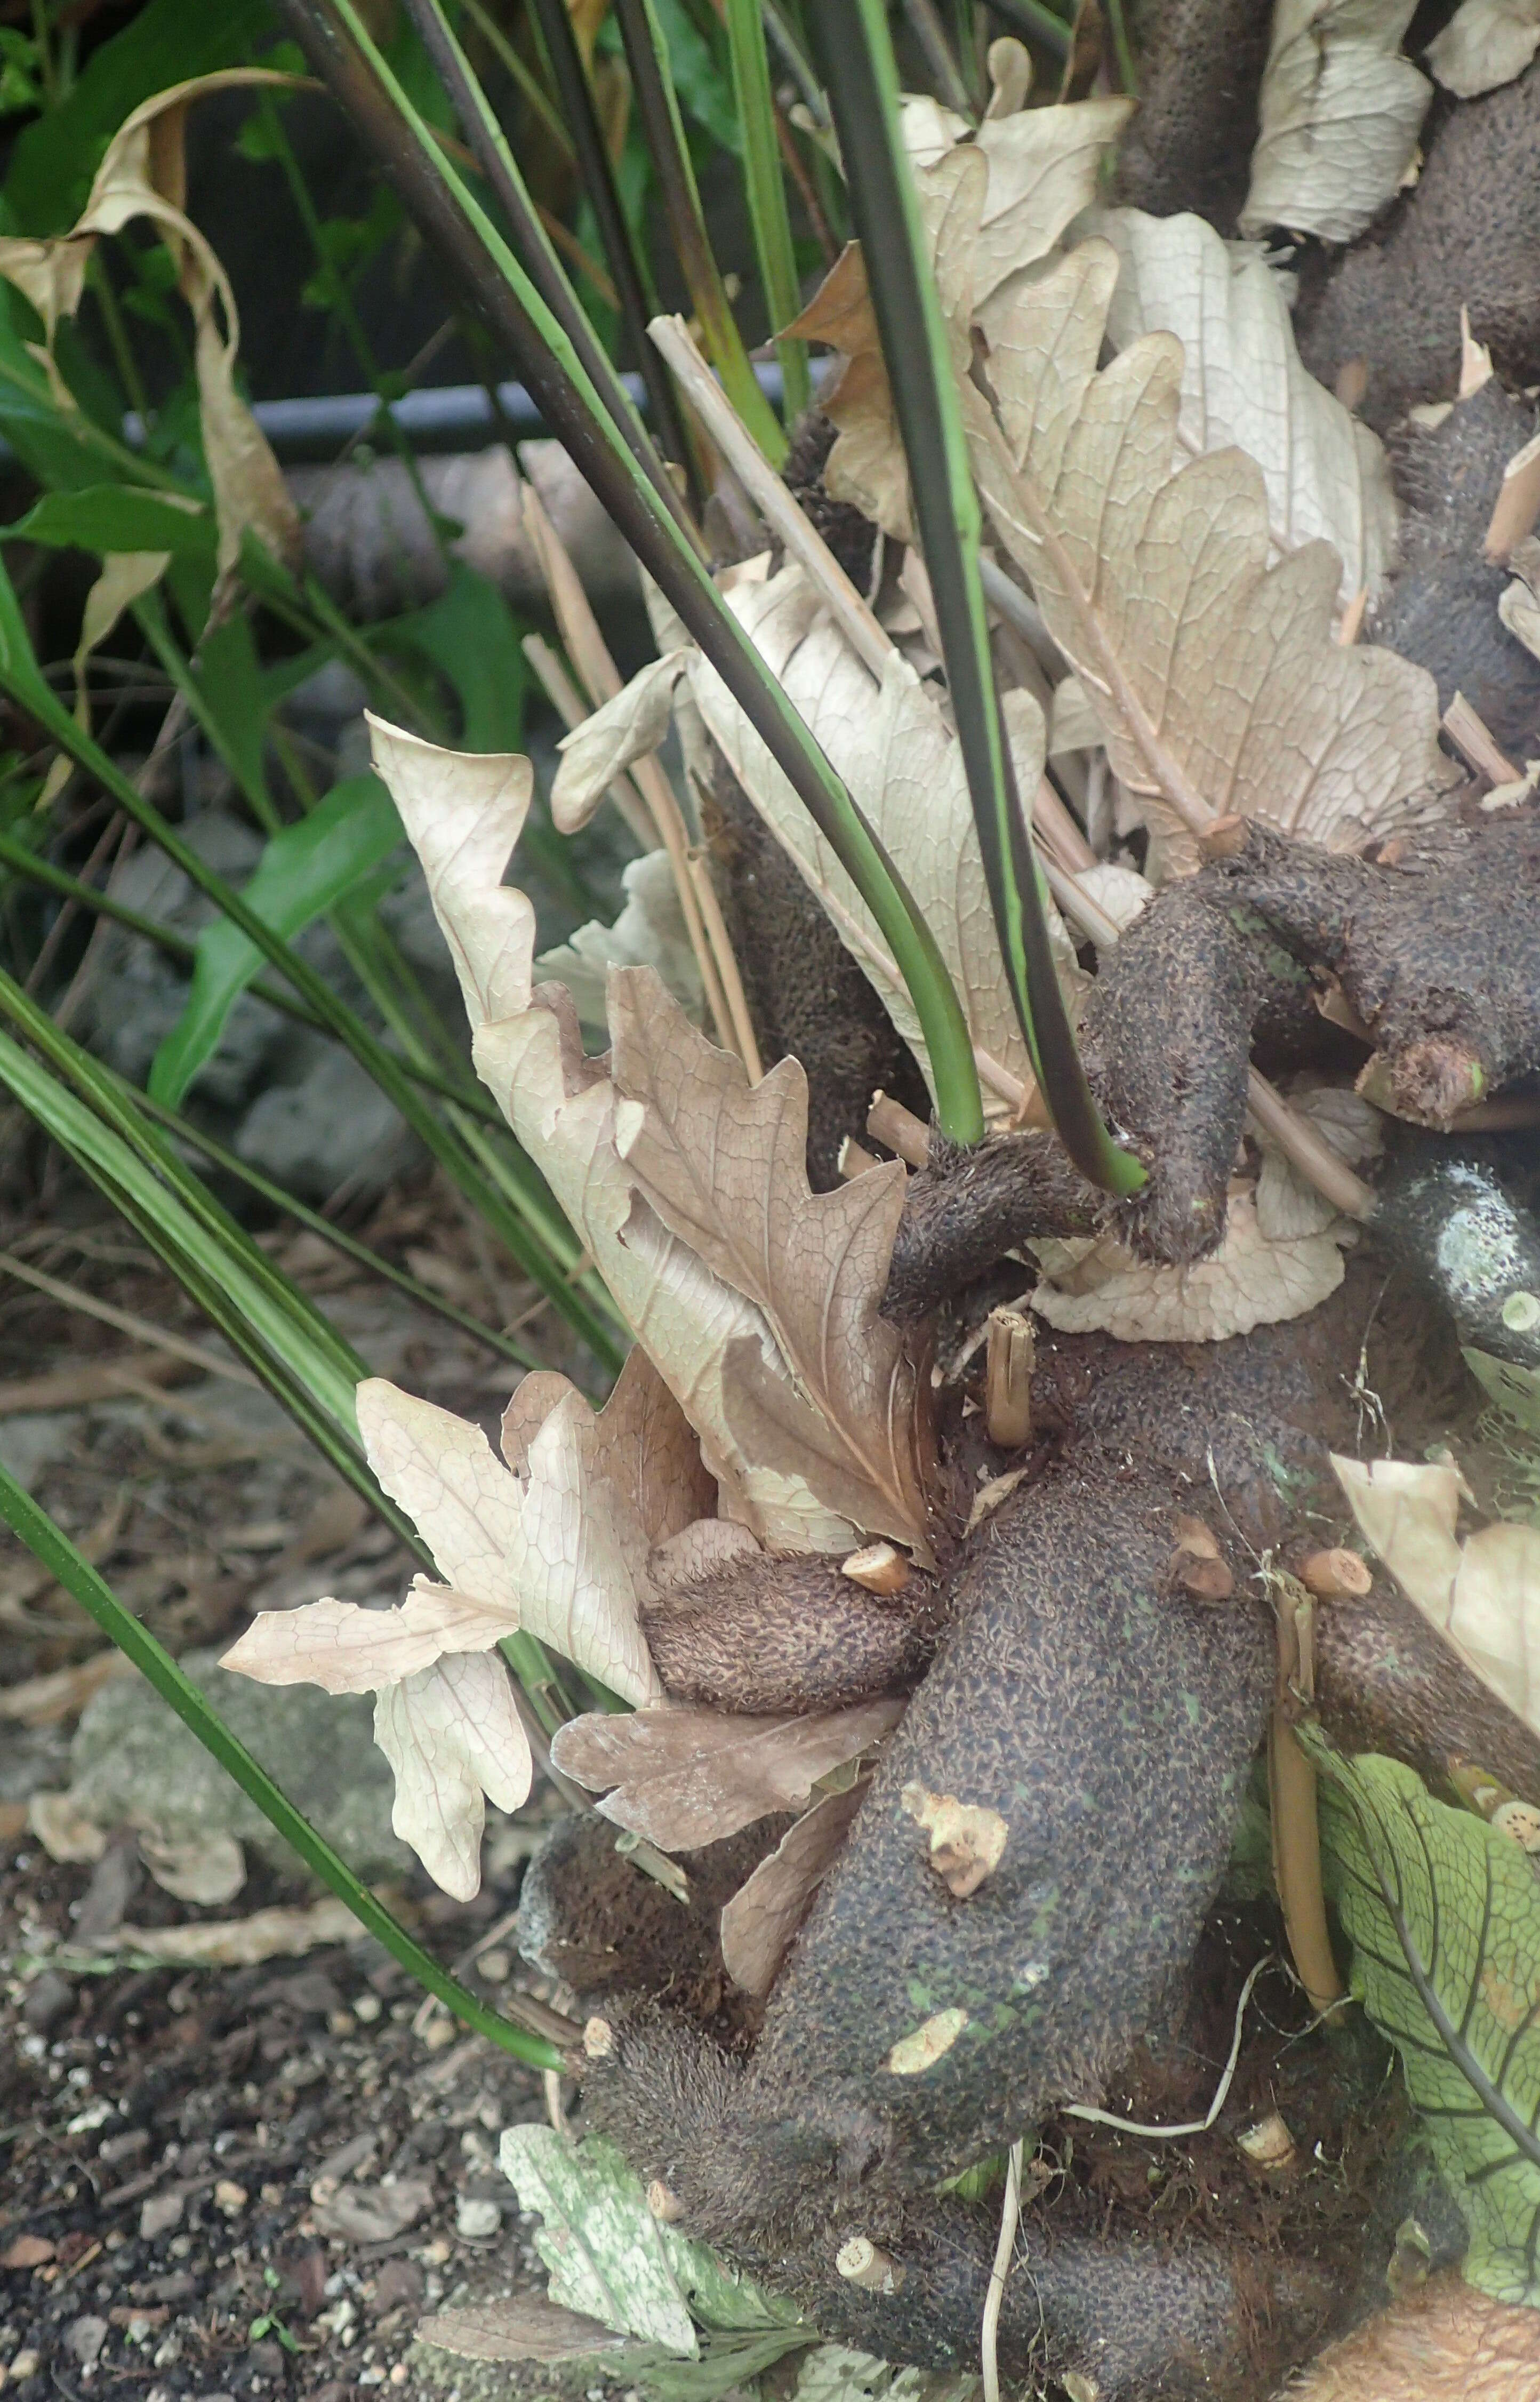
<point x="1217" y="679"/>
<point x="684" y="1777"/>
<point x="723" y="1162"/>
<point x="463" y="814"/>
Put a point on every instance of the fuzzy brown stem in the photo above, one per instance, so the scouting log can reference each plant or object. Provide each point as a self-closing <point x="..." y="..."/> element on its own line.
<point x="1011" y="1355"/>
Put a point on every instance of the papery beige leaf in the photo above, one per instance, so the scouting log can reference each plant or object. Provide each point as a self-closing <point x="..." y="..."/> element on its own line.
<point x="927" y="128"/>
<point x="866" y="465"/>
<point x="1408" y="1511"/>
<point x="988" y="208"/>
<point x="1122" y="891"/>
<point x="144" y="175"/>
<point x="561" y="1551"/>
<point x="701" y="1550"/>
<point x="521" y="2326"/>
<point x="444" y="1474"/>
<point x="1494" y="1613"/>
<point x="760" y="1922"/>
<point x="1218" y="679"/>
<point x="723" y="1162"/>
<point x="647" y="1450"/>
<point x="684" y="1777"/>
<point x="650" y="931"/>
<point x="454" y="1738"/>
<point x="526" y="1411"/>
<point x="207" y="1870"/>
<point x="1486" y="43"/>
<point x="1043" y="169"/>
<point x="463" y="814"/>
<point x="347" y="1649"/>
<point x="1483" y="1596"/>
<point x="898" y="754"/>
<point x="1341" y="112"/>
<point x="1244" y="383"/>
<point x="1519" y="610"/>
<point x="1073" y="723"/>
<point x="1247" y="1282"/>
<point x="126" y="576"/>
<point x="626" y="730"/>
<point x="1286" y="1205"/>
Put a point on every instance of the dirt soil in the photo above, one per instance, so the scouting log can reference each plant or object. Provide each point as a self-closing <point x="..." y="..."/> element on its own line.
<point x="186" y="2154"/>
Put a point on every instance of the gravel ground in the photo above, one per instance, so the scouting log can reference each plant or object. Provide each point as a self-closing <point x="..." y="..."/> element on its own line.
<point x="239" y="2180"/>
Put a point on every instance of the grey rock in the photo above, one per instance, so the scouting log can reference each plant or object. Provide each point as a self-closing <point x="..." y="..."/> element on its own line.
<point x="84" y="2338"/>
<point x="33" y="1442"/>
<point x="332" y="1127"/>
<point x="161" y="2213"/>
<point x="50" y="1998"/>
<point x="132" y="1758"/>
<point x="33" y="1759"/>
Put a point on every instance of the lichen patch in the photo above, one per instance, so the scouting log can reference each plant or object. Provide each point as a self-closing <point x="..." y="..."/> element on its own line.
<point x="966" y="1841"/>
<point x="913" y="2053"/>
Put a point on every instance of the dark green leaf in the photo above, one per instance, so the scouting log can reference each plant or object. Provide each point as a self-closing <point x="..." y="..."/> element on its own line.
<point x="471" y="636"/>
<point x="113" y="517"/>
<point x="1444" y="1914"/>
<point x="304" y="871"/>
<point x="168" y="42"/>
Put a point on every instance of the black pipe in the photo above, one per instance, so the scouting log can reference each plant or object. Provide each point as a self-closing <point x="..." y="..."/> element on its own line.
<point x="440" y="417"/>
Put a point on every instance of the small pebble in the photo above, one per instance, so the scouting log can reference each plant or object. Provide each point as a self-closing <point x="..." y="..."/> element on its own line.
<point x="160" y="2214"/>
<point x="440" y="2033"/>
<point x="229" y="2197"/>
<point x="50" y="1998"/>
<point x="25" y="2364"/>
<point x="475" y="2218"/>
<point x="494" y="1968"/>
<point x="400" y="2373"/>
<point x="367" y="2008"/>
<point x="84" y="2338"/>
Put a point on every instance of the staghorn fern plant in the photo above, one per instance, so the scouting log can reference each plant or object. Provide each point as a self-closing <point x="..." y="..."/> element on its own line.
<point x="1006" y="1851"/>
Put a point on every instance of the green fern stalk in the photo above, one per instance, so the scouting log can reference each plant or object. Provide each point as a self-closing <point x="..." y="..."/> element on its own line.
<point x="863" y="90"/>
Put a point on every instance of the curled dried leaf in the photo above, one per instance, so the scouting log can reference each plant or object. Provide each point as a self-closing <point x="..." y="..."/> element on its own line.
<point x="1248" y="1281"/>
<point x="760" y="1924"/>
<point x="1341" y="112"/>
<point x="682" y="1777"/>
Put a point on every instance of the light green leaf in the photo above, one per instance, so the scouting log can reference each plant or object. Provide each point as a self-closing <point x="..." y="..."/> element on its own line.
<point x="117" y="518"/>
<point x="610" y="2257"/>
<point x="1444" y="1914"/>
<point x="1516" y="1390"/>
<point x="835" y="2373"/>
<point x="603" y="2246"/>
<point x="305" y="871"/>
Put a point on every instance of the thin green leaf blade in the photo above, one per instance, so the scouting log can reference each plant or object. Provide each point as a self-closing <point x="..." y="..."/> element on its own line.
<point x="573" y="406"/>
<point x="49" y="1544"/>
<point x="767" y="208"/>
<point x="1444" y="1915"/>
<point x="304" y="872"/>
<point x="916" y="346"/>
